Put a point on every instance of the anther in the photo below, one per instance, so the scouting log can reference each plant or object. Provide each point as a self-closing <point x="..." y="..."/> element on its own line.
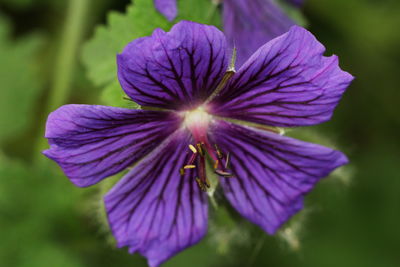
<point x="193" y="149"/>
<point x="200" y="149"/>
<point x="189" y="167"/>
<point x="219" y="153"/>
<point x="216" y="164"/>
<point x="223" y="173"/>
<point x="197" y="160"/>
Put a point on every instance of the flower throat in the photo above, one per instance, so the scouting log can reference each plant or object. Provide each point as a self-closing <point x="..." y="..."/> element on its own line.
<point x="197" y="121"/>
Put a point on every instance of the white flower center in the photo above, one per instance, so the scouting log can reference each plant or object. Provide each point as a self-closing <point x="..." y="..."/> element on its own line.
<point x="197" y="118"/>
<point x="197" y="121"/>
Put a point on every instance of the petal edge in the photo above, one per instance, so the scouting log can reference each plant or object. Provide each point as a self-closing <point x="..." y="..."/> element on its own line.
<point x="272" y="172"/>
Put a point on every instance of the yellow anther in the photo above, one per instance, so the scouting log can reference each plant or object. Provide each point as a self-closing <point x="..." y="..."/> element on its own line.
<point x="193" y="149"/>
<point x="189" y="167"/>
<point x="216" y="164"/>
<point x="182" y="171"/>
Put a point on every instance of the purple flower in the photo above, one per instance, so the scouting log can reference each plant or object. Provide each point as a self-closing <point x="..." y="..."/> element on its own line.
<point x="248" y="24"/>
<point x="194" y="106"/>
<point x="167" y="7"/>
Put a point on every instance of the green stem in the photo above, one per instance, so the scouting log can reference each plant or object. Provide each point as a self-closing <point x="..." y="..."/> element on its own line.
<point x="70" y="40"/>
<point x="66" y="60"/>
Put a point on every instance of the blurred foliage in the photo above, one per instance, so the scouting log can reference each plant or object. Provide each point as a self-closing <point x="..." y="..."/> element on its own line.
<point x="19" y="80"/>
<point x="349" y="221"/>
<point x="25" y="202"/>
<point x="24" y="4"/>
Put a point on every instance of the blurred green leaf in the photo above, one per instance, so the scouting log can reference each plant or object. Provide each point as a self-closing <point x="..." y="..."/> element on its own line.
<point x="19" y="82"/>
<point x="140" y="19"/>
<point x="35" y="204"/>
<point x="25" y="4"/>
<point x="17" y="3"/>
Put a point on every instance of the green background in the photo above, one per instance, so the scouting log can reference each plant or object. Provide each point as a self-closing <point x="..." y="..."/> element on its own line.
<point x="54" y="52"/>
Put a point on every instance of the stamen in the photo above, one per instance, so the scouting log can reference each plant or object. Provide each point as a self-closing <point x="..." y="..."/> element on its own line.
<point x="202" y="169"/>
<point x="189" y="167"/>
<point x="201" y="185"/>
<point x="216" y="164"/>
<point x="219" y="153"/>
<point x="227" y="161"/>
<point x="200" y="148"/>
<point x="193" y="149"/>
<point x="223" y="173"/>
<point x="197" y="160"/>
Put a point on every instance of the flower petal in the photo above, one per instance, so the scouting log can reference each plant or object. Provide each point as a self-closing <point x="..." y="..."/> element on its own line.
<point x="287" y="82"/>
<point x="272" y="172"/>
<point x="167" y="8"/>
<point x="250" y="24"/>
<point x="93" y="142"/>
<point x="174" y="70"/>
<point x="154" y="210"/>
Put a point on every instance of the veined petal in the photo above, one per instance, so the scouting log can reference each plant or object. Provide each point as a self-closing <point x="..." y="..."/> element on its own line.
<point x="93" y="142"/>
<point x="287" y="82"/>
<point x="167" y="7"/>
<point x="154" y="210"/>
<point x="250" y="24"/>
<point x="271" y="172"/>
<point x="176" y="69"/>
